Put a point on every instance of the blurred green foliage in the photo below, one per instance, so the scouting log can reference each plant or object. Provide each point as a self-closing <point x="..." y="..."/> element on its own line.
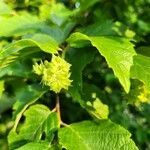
<point x="19" y="19"/>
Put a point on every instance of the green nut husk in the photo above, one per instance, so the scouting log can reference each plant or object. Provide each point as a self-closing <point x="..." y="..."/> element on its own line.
<point x="55" y="74"/>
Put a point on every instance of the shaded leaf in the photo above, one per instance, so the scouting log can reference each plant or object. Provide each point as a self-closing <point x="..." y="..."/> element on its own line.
<point x="39" y="120"/>
<point x="6" y="102"/>
<point x="78" y="58"/>
<point x="26" y="96"/>
<point x="92" y="96"/>
<point x="144" y="50"/>
<point x="83" y="5"/>
<point x="17" y="68"/>
<point x="97" y="29"/>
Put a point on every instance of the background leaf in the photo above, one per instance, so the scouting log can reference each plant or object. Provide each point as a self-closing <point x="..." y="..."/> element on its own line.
<point x="59" y="14"/>
<point x="78" y="58"/>
<point x="83" y="5"/>
<point x="20" y="68"/>
<point x="16" y="25"/>
<point x="6" y="102"/>
<point x="141" y="69"/>
<point x="4" y="9"/>
<point x="97" y="29"/>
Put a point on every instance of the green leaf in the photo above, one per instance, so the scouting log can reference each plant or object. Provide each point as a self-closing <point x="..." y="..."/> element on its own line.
<point x="89" y="135"/>
<point x="19" y="25"/>
<point x="6" y="102"/>
<point x="16" y="25"/>
<point x="92" y="91"/>
<point x="17" y="68"/>
<point x="92" y="96"/>
<point x="83" y="5"/>
<point x="2" y="88"/>
<point x="39" y="120"/>
<point x="141" y="69"/>
<point x="4" y="9"/>
<point x="78" y="58"/>
<point x="36" y="146"/>
<point x="97" y="109"/>
<point x="117" y="51"/>
<point x="144" y="50"/>
<point x="26" y="96"/>
<point x="59" y="14"/>
<point x="97" y="29"/>
<point x="43" y="41"/>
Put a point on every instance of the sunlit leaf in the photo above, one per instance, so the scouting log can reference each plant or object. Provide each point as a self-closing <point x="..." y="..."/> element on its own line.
<point x="89" y="135"/>
<point x="141" y="69"/>
<point x="117" y="51"/>
<point x="12" y="51"/>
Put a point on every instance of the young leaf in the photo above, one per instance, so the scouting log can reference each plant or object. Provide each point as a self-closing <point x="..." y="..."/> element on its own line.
<point x="117" y="51"/>
<point x="89" y="135"/>
<point x="141" y="69"/>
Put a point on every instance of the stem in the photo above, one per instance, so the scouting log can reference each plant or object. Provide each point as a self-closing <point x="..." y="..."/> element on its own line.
<point x="58" y="109"/>
<point x="54" y="110"/>
<point x="64" y="52"/>
<point x="64" y="124"/>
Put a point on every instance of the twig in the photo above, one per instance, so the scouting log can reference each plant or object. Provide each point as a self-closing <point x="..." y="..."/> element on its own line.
<point x="64" y="124"/>
<point x="58" y="109"/>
